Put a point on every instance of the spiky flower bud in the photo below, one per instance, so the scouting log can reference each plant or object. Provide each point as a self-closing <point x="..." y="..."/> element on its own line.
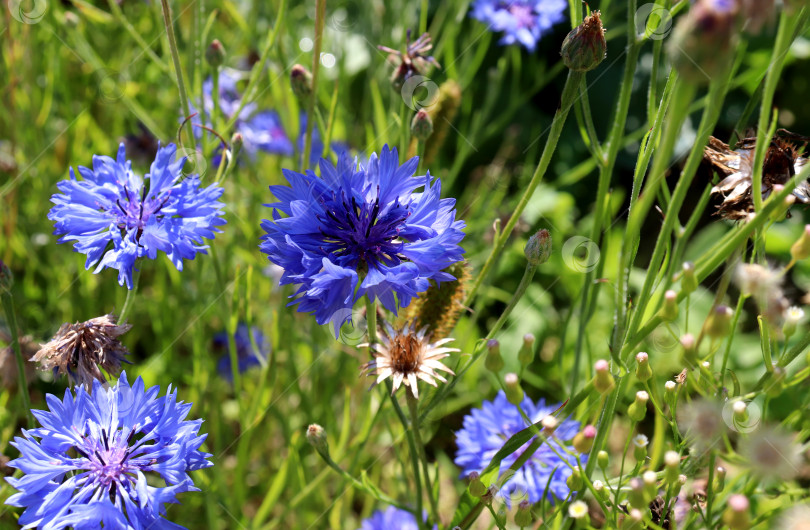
<point x="526" y="352"/>
<point x="538" y="248"/>
<point x="476" y="487"/>
<point x="736" y="515"/>
<point x="215" y="53"/>
<point x="514" y="394"/>
<point x="301" y="81"/>
<point x="316" y="436"/>
<point x="689" y="281"/>
<point x="670" y="310"/>
<point x="603" y="381"/>
<point x="421" y="125"/>
<point x="801" y="248"/>
<point x="643" y="370"/>
<point x="583" y="440"/>
<point x="584" y="47"/>
<point x="638" y="408"/>
<point x="494" y="361"/>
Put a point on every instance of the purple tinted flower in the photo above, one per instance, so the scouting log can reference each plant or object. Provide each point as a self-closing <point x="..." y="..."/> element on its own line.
<point x="522" y="21"/>
<point x="487" y="429"/>
<point x="361" y="230"/>
<point x="114" y="457"/>
<point x="261" y="129"/>
<point x="391" y="518"/>
<point x="116" y="216"/>
<point x="246" y="355"/>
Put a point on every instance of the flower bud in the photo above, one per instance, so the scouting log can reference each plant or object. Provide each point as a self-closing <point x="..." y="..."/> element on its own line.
<point x="584" y="47"/>
<point x="578" y="511"/>
<point x="676" y="488"/>
<point x="237" y="141"/>
<point x="719" y="479"/>
<point x="215" y="53"/>
<point x="801" y="248"/>
<point x="650" y="479"/>
<point x="494" y="361"/>
<point x="793" y="316"/>
<point x="670" y="310"/>
<point x="689" y="281"/>
<point x="718" y="324"/>
<point x="633" y="520"/>
<point x="672" y="463"/>
<point x="689" y="349"/>
<point x="6" y="278"/>
<point x="600" y="489"/>
<point x="421" y="125"/>
<point x="736" y="515"/>
<point x="643" y="370"/>
<point x="538" y="248"/>
<point x="526" y="352"/>
<point x="640" y="443"/>
<point x="776" y="385"/>
<point x="637" y="495"/>
<point x="476" y="487"/>
<point x="574" y="480"/>
<point x="583" y="440"/>
<point x="549" y="424"/>
<point x="602" y="459"/>
<point x="316" y="436"/>
<point x="514" y="394"/>
<point x="638" y="408"/>
<point x="301" y="81"/>
<point x="603" y="381"/>
<point x="523" y="517"/>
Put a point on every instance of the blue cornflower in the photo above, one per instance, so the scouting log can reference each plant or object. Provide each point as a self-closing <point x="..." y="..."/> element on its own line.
<point x="247" y="356"/>
<point x="261" y="130"/>
<point x="361" y="231"/>
<point x="487" y="429"/>
<point x="391" y="518"/>
<point x="116" y="216"/>
<point x="523" y="21"/>
<point x="115" y="456"/>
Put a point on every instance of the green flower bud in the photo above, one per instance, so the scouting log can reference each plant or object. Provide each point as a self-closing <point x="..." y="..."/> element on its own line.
<point x="301" y="82"/>
<point x="640" y="443"/>
<point x="237" y="141"/>
<point x="672" y="463"/>
<point x="638" y="408"/>
<point x="514" y="394"/>
<point x="583" y="440"/>
<point x="737" y="516"/>
<point x="793" y="316"/>
<point x="476" y="487"/>
<point x="526" y="352"/>
<point x="689" y="349"/>
<point x="584" y="47"/>
<point x="801" y="248"/>
<point x="633" y="520"/>
<point x="650" y="479"/>
<point x="719" y="479"/>
<point x="574" y="480"/>
<point x="637" y="495"/>
<point x="538" y="248"/>
<point x="718" y="325"/>
<point x="670" y="310"/>
<point x="689" y="281"/>
<point x="421" y="125"/>
<point x="316" y="436"/>
<point x="523" y="517"/>
<point x="494" y="361"/>
<point x="603" y="381"/>
<point x="602" y="459"/>
<point x="643" y="370"/>
<point x="215" y="53"/>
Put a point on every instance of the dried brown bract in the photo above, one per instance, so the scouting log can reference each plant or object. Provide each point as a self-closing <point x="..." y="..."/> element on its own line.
<point x="783" y="159"/>
<point x="82" y="349"/>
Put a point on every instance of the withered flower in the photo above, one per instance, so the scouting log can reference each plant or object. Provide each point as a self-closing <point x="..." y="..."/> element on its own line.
<point x="783" y="159"/>
<point x="406" y="356"/>
<point x="413" y="61"/>
<point x="80" y="349"/>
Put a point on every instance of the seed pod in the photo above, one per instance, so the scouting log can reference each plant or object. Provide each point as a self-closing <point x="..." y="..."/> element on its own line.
<point x="584" y="47"/>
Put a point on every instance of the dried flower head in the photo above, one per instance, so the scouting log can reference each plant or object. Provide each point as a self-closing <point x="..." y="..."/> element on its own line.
<point x="80" y="349"/>
<point x="413" y="61"/>
<point x="782" y="160"/>
<point x="406" y="356"/>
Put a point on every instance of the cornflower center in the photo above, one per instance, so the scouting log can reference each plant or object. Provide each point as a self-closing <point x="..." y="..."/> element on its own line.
<point x="108" y="460"/>
<point x="134" y="212"/>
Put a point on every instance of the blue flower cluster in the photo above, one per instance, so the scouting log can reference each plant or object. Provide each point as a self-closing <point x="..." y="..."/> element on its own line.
<point x="521" y="21"/>
<point x="87" y="465"/>
<point x="391" y="518"/>
<point x="246" y="355"/>
<point x="484" y="433"/>
<point x="116" y="216"/>
<point x="361" y="231"/>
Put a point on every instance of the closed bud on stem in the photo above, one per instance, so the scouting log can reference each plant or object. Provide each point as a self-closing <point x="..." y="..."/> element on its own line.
<point x="6" y="278"/>
<point x="689" y="346"/>
<point x="301" y="82"/>
<point x="215" y="53"/>
<point x="476" y="487"/>
<point x="494" y="361"/>
<point x="718" y="325"/>
<point x="676" y="488"/>
<point x="514" y="394"/>
<point x="637" y="495"/>
<point x="638" y="408"/>
<point x="633" y="520"/>
<point x="578" y="511"/>
<point x="736" y="515"/>
<point x="640" y="443"/>
<point x="584" y="47"/>
<point x="672" y="464"/>
<point x="776" y="385"/>
<point x="650" y="479"/>
<point x="602" y="459"/>
<point x="801" y="248"/>
<point x="583" y="440"/>
<point x="670" y="310"/>
<point x="523" y="517"/>
<point x="793" y="316"/>
<point x="670" y="393"/>
<point x="740" y="410"/>
<point x="538" y="248"/>
<point x="237" y="141"/>
<point x="316" y="436"/>
<point x="526" y="352"/>
<point x="489" y="495"/>
<point x="421" y="125"/>
<point x="643" y="370"/>
<point x="574" y="480"/>
<point x="689" y="281"/>
<point x="549" y="424"/>
<point x="603" y="381"/>
<point x="719" y="479"/>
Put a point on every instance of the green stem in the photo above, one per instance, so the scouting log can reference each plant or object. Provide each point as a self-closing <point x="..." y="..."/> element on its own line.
<point x="413" y="406"/>
<point x="568" y="99"/>
<point x="320" y="12"/>
<point x="119" y="16"/>
<point x="131" y="293"/>
<point x="22" y="382"/>
<point x="178" y="69"/>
